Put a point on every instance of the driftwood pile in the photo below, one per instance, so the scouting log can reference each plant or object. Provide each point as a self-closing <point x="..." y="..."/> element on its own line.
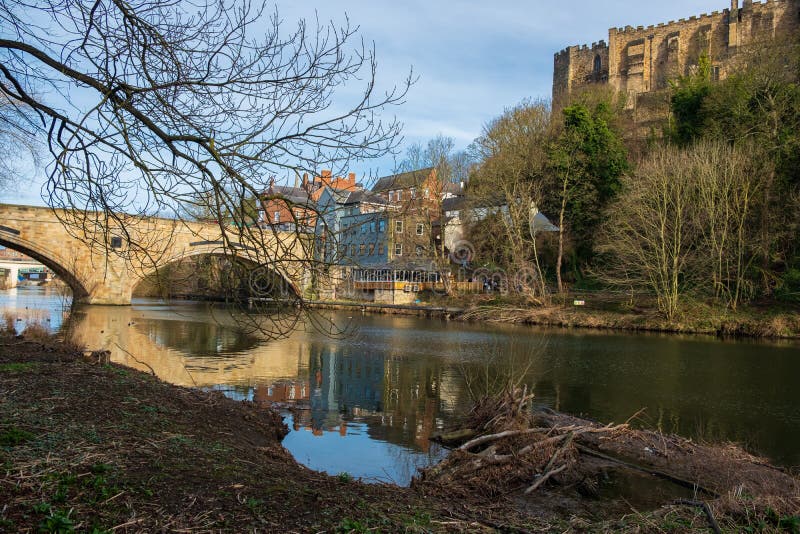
<point x="508" y="449"/>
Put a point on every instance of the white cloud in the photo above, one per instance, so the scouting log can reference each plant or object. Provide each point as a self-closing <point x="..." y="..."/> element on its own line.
<point x="475" y="58"/>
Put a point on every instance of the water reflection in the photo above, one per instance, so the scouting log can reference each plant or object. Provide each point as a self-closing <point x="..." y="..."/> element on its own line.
<point x="44" y="305"/>
<point x="368" y="404"/>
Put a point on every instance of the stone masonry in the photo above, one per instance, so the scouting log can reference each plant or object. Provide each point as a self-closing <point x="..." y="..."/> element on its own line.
<point x="641" y="60"/>
<point x="101" y="266"/>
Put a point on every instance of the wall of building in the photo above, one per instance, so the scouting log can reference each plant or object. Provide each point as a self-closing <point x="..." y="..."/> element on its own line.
<point x="640" y="60"/>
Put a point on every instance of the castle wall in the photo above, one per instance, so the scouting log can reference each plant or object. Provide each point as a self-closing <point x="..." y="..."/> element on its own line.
<point x="645" y="59"/>
<point x="579" y="66"/>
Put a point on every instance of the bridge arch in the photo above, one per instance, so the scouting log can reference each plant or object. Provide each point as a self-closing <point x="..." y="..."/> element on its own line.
<point x="216" y="251"/>
<point x="50" y="259"/>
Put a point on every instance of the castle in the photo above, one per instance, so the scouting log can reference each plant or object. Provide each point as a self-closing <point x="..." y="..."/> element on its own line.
<point x="642" y="60"/>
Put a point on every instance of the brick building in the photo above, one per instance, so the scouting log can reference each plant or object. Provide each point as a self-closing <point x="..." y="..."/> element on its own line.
<point x="294" y="208"/>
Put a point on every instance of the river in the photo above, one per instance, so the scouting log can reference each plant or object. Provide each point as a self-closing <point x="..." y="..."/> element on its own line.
<point x="367" y="403"/>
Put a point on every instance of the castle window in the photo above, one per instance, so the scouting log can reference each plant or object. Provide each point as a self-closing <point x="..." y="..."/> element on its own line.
<point x="598" y="64"/>
<point x="715" y="73"/>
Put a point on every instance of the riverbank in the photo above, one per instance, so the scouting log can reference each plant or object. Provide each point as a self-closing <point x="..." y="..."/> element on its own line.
<point x="86" y="445"/>
<point x="765" y="321"/>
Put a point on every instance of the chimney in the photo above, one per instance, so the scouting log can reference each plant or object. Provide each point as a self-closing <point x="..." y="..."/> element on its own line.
<point x="351" y="178"/>
<point x="296" y="179"/>
<point x="305" y="181"/>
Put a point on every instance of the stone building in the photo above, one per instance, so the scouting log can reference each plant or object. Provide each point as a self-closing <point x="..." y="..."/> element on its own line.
<point x="642" y="60"/>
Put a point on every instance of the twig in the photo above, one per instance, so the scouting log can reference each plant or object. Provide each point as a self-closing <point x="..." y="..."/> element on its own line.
<point x="559" y="451"/>
<point x="137" y="359"/>
<point x="544" y="479"/>
<point x="709" y="514"/>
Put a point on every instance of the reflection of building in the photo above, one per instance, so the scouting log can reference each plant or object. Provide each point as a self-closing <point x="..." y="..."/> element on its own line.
<point x="344" y="379"/>
<point x="281" y="391"/>
<point x="400" y="403"/>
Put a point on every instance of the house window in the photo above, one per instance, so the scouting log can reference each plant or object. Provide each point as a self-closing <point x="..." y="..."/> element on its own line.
<point x="381" y="249"/>
<point x="277" y="217"/>
<point x="381" y="226"/>
<point x="372" y="249"/>
<point x="420" y="229"/>
<point x="420" y="250"/>
<point x="391" y="196"/>
<point x="399" y="196"/>
<point x="361" y="249"/>
<point x="352" y="251"/>
<point x="398" y="227"/>
<point x="363" y="228"/>
<point x="715" y="73"/>
<point x="116" y="242"/>
<point x="398" y="249"/>
<point x="413" y="193"/>
<point x="372" y="227"/>
<point x="427" y="194"/>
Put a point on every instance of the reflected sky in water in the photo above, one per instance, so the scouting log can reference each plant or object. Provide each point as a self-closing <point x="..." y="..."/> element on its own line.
<point x="369" y="403"/>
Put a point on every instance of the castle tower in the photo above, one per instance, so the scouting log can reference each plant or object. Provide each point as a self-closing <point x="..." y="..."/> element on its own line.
<point x="733" y="25"/>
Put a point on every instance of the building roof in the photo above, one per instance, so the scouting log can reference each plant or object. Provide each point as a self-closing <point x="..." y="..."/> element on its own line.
<point x="404" y="180"/>
<point x="454" y="204"/>
<point x="295" y="195"/>
<point x="542" y="224"/>
<point x="364" y="196"/>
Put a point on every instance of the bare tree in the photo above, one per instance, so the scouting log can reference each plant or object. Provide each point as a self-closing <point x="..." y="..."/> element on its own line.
<point x="449" y="167"/>
<point x="686" y="222"/>
<point x="507" y="184"/>
<point x="649" y="234"/>
<point x="730" y="192"/>
<point x="18" y="142"/>
<point x="151" y="107"/>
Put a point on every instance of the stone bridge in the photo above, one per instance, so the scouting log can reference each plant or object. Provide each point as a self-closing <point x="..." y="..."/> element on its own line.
<point x="103" y="258"/>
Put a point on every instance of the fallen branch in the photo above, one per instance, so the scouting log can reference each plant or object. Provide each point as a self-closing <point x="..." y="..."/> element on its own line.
<point x="494" y="437"/>
<point x="453" y="438"/>
<point x="544" y="479"/>
<point x="559" y="451"/>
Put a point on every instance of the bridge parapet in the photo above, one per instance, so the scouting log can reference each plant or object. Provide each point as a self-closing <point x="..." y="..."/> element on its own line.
<point x="102" y="259"/>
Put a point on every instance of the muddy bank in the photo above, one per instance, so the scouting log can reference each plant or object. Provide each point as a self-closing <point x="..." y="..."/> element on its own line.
<point x="89" y="445"/>
<point x="754" y="323"/>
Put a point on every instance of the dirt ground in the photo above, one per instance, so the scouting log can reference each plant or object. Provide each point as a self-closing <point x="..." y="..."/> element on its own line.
<point x="88" y="446"/>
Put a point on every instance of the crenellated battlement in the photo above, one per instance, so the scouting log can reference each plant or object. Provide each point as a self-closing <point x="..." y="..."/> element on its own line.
<point x="640" y="59"/>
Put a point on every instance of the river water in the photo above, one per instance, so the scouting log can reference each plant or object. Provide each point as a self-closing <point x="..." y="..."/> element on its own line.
<point x="368" y="403"/>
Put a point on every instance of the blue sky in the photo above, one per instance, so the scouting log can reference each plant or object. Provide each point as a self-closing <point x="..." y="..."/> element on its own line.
<point x="473" y="58"/>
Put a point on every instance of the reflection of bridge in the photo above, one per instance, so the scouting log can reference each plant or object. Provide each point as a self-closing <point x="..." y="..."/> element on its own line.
<point x="102" y="259"/>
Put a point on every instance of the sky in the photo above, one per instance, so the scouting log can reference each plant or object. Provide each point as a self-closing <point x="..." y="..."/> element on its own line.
<point x="473" y="59"/>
